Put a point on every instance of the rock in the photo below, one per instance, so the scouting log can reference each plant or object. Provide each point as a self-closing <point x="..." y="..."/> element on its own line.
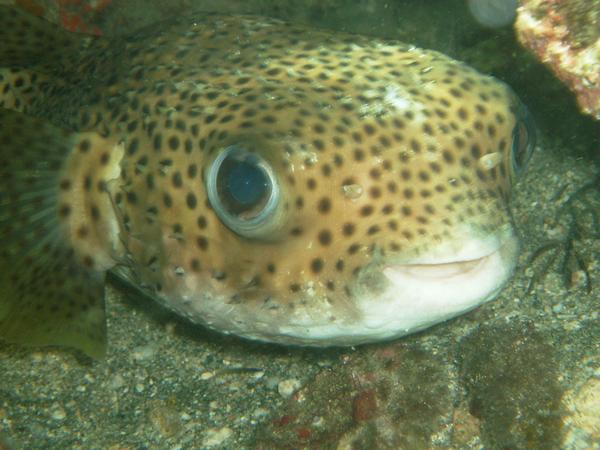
<point x="566" y="37"/>
<point x="584" y="422"/>
<point x="215" y="437"/>
<point x="287" y="387"/>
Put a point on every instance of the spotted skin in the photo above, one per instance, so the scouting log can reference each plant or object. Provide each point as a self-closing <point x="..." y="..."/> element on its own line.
<point x="386" y="155"/>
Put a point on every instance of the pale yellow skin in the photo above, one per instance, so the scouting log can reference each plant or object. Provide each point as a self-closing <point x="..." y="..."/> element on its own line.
<point x="388" y="158"/>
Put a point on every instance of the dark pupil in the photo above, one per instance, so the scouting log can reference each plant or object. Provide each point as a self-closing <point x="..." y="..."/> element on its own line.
<point x="243" y="186"/>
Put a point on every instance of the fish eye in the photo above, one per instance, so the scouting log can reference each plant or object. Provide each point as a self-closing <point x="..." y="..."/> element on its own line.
<point x="243" y="190"/>
<point x="523" y="140"/>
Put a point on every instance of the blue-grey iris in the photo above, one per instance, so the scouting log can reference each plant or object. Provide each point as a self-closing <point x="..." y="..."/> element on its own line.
<point x="243" y="190"/>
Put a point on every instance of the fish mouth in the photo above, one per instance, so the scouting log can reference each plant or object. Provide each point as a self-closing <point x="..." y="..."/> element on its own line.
<point x="453" y="286"/>
<point x="407" y="297"/>
<point x="399" y="298"/>
<point x="482" y="275"/>
<point x="447" y="270"/>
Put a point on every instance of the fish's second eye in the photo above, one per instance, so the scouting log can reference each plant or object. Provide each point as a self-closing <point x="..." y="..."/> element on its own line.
<point x="243" y="190"/>
<point x="523" y="141"/>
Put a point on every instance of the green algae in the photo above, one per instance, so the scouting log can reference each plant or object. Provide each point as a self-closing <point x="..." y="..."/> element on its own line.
<point x="511" y="375"/>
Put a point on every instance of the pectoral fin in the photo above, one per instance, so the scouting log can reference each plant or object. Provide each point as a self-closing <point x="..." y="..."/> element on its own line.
<point x="50" y="292"/>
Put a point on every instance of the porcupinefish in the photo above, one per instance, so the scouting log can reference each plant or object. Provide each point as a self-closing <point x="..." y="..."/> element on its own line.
<point x="264" y="179"/>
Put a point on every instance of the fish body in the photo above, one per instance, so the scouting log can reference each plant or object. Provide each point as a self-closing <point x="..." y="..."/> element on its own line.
<point x="264" y="179"/>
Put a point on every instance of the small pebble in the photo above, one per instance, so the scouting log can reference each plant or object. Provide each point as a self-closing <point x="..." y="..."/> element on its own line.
<point x="287" y="387"/>
<point x="58" y="413"/>
<point x="144" y="352"/>
<point x="216" y="436"/>
<point x="165" y="420"/>
<point x="260" y="412"/>
<point x="117" y="381"/>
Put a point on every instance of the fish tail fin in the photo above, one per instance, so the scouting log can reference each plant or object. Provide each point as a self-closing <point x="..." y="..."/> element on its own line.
<point x="31" y="42"/>
<point x="57" y="233"/>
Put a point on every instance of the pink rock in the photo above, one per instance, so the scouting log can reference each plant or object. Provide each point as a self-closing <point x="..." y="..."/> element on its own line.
<point x="565" y="35"/>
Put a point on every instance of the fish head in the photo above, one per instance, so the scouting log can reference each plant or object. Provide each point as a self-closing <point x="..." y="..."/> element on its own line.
<point x="347" y="193"/>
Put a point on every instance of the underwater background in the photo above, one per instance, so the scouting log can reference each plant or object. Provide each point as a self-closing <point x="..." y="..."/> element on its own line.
<point x="520" y="372"/>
